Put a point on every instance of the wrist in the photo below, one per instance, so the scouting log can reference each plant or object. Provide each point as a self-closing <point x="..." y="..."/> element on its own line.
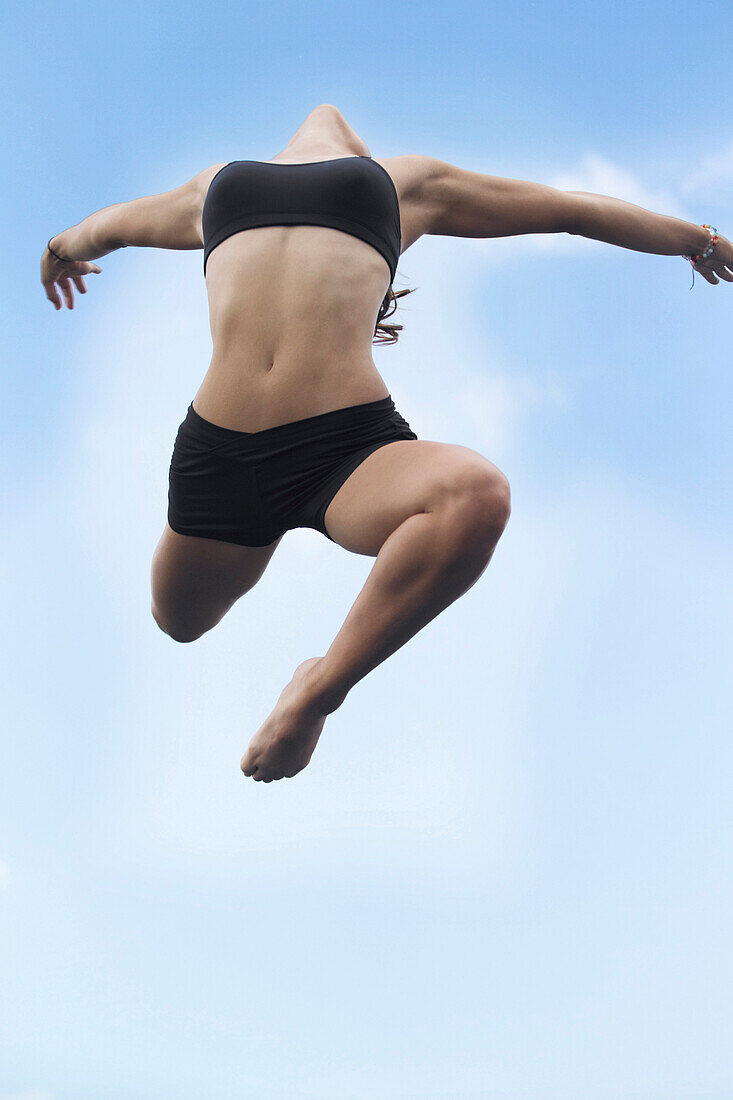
<point x="58" y="246"/>
<point x="698" y="241"/>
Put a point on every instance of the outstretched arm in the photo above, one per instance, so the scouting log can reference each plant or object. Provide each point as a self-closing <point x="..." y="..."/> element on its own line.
<point x="604" y="218"/>
<point x="169" y="220"/>
<point x="470" y="204"/>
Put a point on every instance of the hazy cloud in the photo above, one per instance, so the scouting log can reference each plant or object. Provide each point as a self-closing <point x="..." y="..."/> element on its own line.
<point x="27" y="1096"/>
<point x="713" y="169"/>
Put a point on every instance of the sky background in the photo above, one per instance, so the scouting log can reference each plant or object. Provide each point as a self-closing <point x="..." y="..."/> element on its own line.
<point x="506" y="873"/>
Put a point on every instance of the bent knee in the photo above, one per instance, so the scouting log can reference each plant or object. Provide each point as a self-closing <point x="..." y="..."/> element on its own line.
<point x="177" y="630"/>
<point x="480" y="505"/>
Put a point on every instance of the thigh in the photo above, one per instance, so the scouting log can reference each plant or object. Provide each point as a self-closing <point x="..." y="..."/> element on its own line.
<point x="397" y="481"/>
<point x="194" y="581"/>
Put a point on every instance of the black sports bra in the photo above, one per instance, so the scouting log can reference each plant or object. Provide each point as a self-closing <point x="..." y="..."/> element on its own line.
<point x="354" y="194"/>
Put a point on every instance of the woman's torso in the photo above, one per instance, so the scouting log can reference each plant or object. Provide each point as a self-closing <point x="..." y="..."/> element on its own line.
<point x="292" y="313"/>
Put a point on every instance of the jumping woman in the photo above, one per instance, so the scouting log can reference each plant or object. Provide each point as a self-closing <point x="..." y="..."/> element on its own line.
<point x="293" y="426"/>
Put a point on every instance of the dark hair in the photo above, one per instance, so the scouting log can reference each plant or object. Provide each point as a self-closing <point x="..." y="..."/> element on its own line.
<point x="387" y="334"/>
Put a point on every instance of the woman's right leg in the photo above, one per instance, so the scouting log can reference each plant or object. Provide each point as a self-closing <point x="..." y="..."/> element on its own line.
<point x="194" y="581"/>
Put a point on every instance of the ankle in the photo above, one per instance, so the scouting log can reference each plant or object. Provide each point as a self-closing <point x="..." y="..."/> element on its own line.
<point x="325" y="694"/>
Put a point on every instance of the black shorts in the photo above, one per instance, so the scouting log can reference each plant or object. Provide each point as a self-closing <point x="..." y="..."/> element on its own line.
<point x="252" y="487"/>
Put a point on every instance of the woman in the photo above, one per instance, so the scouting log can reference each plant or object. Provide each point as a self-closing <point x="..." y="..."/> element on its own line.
<point x="293" y="425"/>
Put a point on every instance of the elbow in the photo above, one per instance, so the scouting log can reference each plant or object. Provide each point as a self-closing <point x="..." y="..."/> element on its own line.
<point x="578" y="209"/>
<point x="571" y="213"/>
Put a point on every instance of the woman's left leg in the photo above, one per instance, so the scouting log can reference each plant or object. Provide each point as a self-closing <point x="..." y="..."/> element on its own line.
<point x="433" y="514"/>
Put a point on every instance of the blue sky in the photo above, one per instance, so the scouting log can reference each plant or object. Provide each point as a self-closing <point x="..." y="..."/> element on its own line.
<point x="506" y="873"/>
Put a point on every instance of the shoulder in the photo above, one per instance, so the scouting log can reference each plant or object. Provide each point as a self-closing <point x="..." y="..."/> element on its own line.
<point x="411" y="172"/>
<point x="417" y="182"/>
<point x="198" y="188"/>
<point x="201" y="181"/>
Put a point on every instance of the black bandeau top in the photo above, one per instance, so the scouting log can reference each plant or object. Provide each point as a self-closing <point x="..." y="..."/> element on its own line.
<point x="354" y="194"/>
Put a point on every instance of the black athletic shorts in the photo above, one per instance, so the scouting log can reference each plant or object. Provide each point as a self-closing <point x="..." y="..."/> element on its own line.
<point x="252" y="487"/>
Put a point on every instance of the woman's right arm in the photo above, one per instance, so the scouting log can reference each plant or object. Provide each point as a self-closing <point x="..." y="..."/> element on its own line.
<point x="471" y="204"/>
<point x="168" y="220"/>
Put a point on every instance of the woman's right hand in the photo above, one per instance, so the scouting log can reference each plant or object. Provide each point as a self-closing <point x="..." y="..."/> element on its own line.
<point x="719" y="264"/>
<point x="55" y="271"/>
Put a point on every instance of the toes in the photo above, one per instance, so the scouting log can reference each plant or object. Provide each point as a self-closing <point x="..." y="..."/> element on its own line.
<point x="254" y="771"/>
<point x="247" y="763"/>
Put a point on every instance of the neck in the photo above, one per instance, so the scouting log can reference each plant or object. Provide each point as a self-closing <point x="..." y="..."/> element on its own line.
<point x="324" y="133"/>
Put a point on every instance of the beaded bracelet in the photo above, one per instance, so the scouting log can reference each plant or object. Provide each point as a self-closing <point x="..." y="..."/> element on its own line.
<point x="703" y="255"/>
<point x="63" y="261"/>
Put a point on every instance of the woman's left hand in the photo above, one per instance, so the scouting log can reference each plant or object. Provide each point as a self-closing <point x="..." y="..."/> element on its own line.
<point x="63" y="272"/>
<point x="719" y="264"/>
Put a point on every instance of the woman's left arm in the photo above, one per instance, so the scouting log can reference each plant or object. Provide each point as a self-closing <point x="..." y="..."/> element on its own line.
<point x="169" y="220"/>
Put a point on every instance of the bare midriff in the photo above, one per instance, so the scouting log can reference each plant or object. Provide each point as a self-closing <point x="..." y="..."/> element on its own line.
<point x="292" y="316"/>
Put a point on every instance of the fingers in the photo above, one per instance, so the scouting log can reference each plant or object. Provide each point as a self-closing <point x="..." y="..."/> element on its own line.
<point x="64" y="283"/>
<point x="65" y="288"/>
<point x="52" y="294"/>
<point x="707" y="273"/>
<point x="715" y="274"/>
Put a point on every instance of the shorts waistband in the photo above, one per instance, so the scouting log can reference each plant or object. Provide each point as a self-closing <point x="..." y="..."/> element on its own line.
<point x="344" y="417"/>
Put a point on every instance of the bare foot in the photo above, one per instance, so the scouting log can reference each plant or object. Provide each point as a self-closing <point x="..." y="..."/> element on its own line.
<point x="285" y="742"/>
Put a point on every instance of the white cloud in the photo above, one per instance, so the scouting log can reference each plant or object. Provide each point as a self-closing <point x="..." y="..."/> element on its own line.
<point x="457" y="386"/>
<point x="713" y="169"/>
<point x="601" y="176"/>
